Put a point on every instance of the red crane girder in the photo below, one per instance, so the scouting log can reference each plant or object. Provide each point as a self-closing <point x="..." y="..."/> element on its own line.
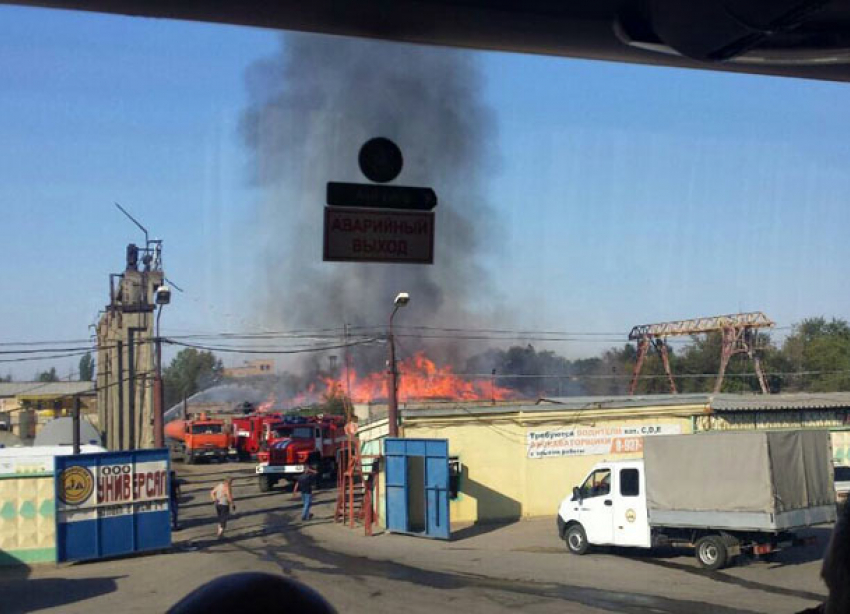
<point x="753" y="319"/>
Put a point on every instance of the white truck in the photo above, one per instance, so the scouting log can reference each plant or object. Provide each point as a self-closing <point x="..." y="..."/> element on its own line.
<point x="725" y="494"/>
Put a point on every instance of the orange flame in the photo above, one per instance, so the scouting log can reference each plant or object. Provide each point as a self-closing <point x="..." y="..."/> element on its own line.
<point x="420" y="379"/>
<point x="266" y="405"/>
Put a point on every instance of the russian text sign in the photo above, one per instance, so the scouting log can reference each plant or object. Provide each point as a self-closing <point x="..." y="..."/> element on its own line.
<point x="367" y="235"/>
<point x="380" y="196"/>
<point x="587" y="440"/>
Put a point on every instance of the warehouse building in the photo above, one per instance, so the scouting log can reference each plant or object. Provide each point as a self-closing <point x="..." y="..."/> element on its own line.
<point x="25" y="407"/>
<point x="516" y="461"/>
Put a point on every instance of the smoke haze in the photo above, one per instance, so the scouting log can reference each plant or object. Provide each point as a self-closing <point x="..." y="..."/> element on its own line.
<point x="310" y="109"/>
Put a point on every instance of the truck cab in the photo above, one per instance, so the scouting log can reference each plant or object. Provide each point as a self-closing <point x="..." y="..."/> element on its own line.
<point x="296" y="442"/>
<point x="607" y="508"/>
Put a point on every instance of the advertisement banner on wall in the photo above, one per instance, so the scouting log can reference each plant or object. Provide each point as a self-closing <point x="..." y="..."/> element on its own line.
<point x="590" y="440"/>
<point x="112" y="503"/>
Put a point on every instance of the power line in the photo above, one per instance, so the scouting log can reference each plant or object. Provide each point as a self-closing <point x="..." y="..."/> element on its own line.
<point x="270" y="351"/>
<point x="628" y="376"/>
<point x="46" y="350"/>
<point x="49" y="357"/>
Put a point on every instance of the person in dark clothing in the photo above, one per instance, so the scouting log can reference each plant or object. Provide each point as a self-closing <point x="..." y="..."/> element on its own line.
<point x="836" y="569"/>
<point x="305" y="484"/>
<point x="174" y="499"/>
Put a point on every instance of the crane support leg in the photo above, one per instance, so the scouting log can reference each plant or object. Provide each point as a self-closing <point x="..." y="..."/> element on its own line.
<point x="661" y="346"/>
<point x="643" y="348"/>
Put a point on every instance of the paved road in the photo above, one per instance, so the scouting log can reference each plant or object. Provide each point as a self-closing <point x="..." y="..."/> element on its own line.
<point x="491" y="568"/>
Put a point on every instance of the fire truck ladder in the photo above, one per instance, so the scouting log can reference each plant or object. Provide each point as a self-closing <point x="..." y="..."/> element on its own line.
<point x="738" y="334"/>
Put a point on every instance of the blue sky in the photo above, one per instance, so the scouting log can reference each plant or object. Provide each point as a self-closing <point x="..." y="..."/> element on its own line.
<point x="624" y="194"/>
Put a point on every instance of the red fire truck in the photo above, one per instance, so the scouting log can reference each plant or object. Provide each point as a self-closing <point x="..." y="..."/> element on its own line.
<point x="296" y="441"/>
<point x="250" y="433"/>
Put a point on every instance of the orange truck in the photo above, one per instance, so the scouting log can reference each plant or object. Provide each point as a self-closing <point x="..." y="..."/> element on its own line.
<point x="198" y="439"/>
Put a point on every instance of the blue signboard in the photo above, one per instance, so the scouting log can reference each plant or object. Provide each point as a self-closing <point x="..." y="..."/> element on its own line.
<point x="111" y="503"/>
<point x="417" y="486"/>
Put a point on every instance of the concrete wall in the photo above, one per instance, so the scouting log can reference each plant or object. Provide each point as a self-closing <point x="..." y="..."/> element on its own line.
<point x="27" y="519"/>
<point x="114" y="385"/>
<point x="501" y="481"/>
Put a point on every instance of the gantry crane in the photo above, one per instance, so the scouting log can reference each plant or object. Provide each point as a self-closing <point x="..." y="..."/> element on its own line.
<point x="738" y="337"/>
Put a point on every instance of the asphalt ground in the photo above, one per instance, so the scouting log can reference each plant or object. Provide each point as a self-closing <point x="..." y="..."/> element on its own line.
<point x="484" y="568"/>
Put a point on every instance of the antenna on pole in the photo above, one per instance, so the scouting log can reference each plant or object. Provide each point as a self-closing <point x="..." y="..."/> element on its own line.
<point x="135" y="221"/>
<point x="175" y="286"/>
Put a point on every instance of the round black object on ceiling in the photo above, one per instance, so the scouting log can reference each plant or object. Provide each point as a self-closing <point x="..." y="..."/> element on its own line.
<point x="380" y="160"/>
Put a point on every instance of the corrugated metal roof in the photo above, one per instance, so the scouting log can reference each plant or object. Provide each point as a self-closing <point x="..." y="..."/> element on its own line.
<point x="565" y="403"/>
<point x="717" y="402"/>
<point x="639" y="400"/>
<point x="780" y="402"/>
<point x="15" y="389"/>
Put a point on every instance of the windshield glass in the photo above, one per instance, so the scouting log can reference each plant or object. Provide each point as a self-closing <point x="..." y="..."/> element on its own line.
<point x="206" y="429"/>
<point x="530" y="264"/>
<point x="842" y="474"/>
<point x="296" y="432"/>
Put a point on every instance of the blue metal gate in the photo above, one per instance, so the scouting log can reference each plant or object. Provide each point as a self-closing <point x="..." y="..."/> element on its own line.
<point x="417" y="484"/>
<point x="112" y="503"/>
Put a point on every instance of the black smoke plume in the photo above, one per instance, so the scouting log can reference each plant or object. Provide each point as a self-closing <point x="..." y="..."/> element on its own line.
<point x="311" y="107"/>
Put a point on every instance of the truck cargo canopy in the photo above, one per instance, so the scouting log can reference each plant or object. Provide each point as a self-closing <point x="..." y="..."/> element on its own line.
<point x="754" y="471"/>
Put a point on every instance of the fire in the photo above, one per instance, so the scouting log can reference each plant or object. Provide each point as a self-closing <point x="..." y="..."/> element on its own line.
<point x="419" y="379"/>
<point x="266" y="406"/>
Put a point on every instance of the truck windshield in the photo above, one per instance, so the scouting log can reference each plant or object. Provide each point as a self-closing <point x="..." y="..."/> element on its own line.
<point x="206" y="429"/>
<point x="597" y="484"/>
<point x="842" y="474"/>
<point x="297" y="432"/>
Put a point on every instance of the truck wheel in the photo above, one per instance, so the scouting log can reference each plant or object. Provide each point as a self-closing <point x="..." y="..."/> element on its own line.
<point x="265" y="483"/>
<point x="576" y="539"/>
<point x="711" y="552"/>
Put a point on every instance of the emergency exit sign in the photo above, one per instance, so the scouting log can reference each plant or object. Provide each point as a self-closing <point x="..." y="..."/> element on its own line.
<point x="373" y="235"/>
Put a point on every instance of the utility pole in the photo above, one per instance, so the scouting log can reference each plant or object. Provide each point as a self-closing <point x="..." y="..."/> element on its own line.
<point x="75" y="416"/>
<point x="392" y="410"/>
<point x="158" y="393"/>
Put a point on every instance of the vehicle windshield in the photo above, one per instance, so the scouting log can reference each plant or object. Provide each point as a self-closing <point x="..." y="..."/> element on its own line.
<point x="462" y="259"/>
<point x="295" y="432"/>
<point x="206" y="429"/>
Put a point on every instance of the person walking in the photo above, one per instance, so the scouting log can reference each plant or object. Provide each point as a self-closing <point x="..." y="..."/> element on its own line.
<point x="174" y="499"/>
<point x="305" y="484"/>
<point x="222" y="496"/>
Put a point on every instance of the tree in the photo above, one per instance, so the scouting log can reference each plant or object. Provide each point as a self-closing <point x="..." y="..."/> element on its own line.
<point x="524" y="363"/>
<point x="190" y="371"/>
<point x="87" y="368"/>
<point x="47" y="376"/>
<point x="821" y="350"/>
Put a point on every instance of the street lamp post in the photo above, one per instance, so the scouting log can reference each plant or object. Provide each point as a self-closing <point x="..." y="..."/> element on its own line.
<point x="163" y="297"/>
<point x="392" y="411"/>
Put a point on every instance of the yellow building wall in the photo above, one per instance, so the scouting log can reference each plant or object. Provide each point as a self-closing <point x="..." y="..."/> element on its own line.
<point x="500" y="482"/>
